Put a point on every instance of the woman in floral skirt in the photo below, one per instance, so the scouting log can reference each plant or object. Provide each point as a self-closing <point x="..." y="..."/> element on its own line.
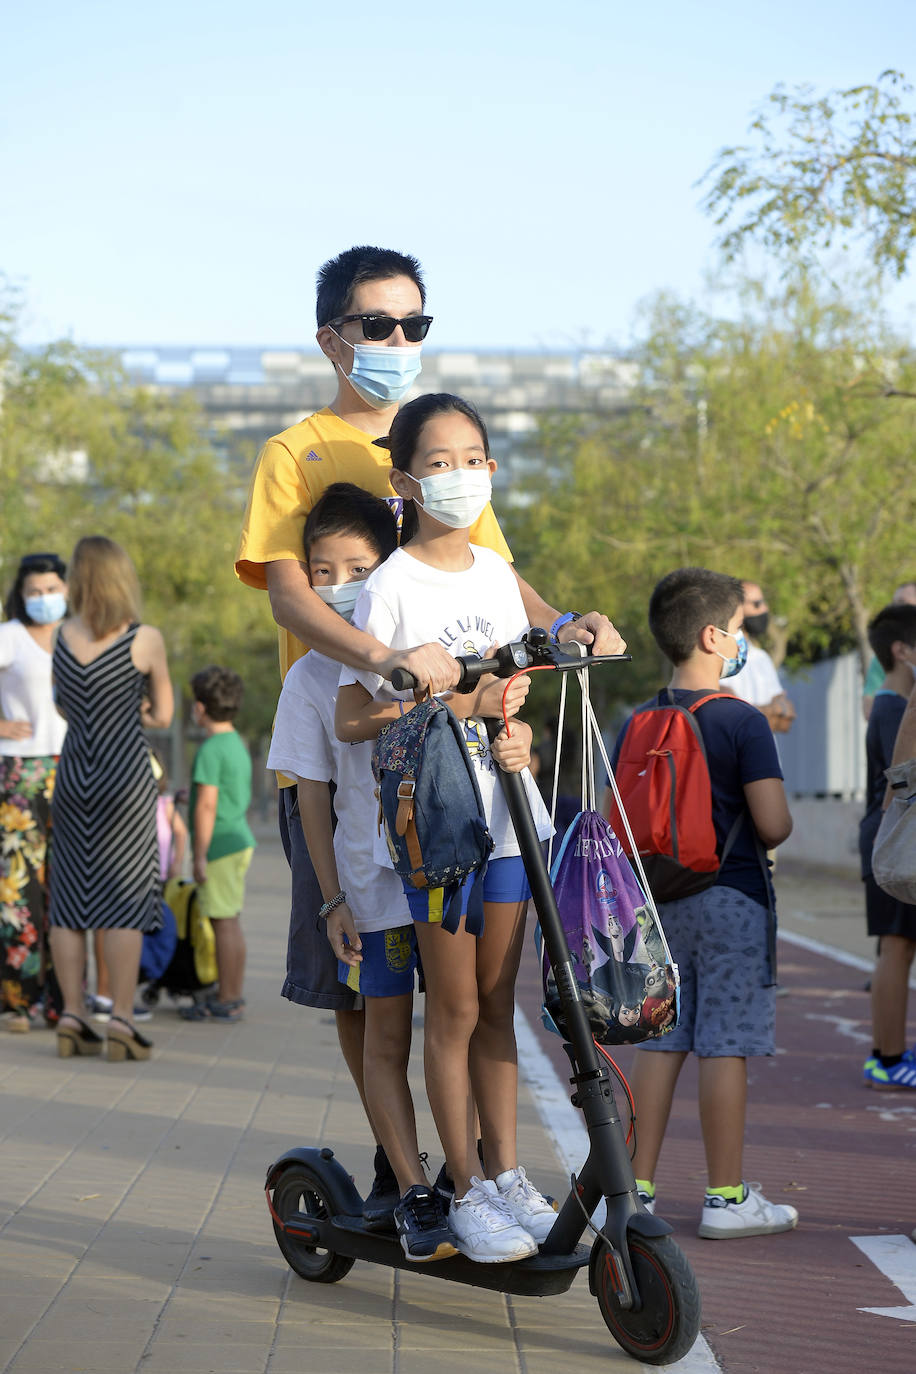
<point x="31" y="735"/>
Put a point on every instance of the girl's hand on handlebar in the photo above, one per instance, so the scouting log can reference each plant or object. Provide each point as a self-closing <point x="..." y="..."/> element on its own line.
<point x="430" y="664"/>
<point x="513" y="752"/>
<point x="595" y="630"/>
<point x="488" y="700"/>
<point x="340" y="924"/>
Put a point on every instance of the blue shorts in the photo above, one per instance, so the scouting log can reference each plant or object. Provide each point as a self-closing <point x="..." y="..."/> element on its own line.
<point x="718" y="939"/>
<point x="388" y="965"/>
<point x="504" y="881"/>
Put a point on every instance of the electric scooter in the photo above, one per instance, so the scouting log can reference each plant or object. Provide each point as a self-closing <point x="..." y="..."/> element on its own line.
<point x="644" y="1286"/>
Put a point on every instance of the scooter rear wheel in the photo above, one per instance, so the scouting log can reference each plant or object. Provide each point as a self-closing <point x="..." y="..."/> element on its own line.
<point x="300" y="1190"/>
<point x="667" y="1323"/>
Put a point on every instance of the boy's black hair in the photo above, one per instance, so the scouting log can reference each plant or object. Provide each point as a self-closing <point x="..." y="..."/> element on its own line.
<point x="687" y="600"/>
<point x="404" y="436"/>
<point x="339" y="277"/>
<point x="344" y="508"/>
<point x="892" y="623"/>
<point x="219" y="691"/>
<point x="14" y="607"/>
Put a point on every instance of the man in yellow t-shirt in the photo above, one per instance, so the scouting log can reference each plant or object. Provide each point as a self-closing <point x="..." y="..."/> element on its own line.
<point x="370" y="327"/>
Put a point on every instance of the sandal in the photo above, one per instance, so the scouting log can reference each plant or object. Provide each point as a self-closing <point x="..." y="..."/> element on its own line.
<point x="197" y="1011"/>
<point x="226" y="1011"/>
<point x="131" y="1045"/>
<point x="76" y="1039"/>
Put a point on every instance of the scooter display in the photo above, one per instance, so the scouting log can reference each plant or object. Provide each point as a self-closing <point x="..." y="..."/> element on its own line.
<point x="644" y="1286"/>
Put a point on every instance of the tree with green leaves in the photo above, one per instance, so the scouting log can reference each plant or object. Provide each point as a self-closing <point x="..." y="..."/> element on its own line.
<point x="765" y="447"/>
<point x="822" y="171"/>
<point x="82" y="451"/>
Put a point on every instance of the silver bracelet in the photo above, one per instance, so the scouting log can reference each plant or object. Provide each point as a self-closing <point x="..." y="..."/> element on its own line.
<point x="325" y="911"/>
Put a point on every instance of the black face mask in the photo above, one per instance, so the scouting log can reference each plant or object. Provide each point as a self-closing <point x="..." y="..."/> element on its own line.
<point x="756" y="625"/>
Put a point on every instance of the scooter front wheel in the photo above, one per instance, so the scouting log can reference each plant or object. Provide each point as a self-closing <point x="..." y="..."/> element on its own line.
<point x="667" y="1323"/>
<point x="299" y="1190"/>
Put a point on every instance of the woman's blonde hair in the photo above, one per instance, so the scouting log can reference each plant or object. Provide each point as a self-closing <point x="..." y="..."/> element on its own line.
<point x="104" y="589"/>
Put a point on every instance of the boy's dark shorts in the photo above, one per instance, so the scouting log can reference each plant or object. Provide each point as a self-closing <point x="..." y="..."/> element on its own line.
<point x="885" y="915"/>
<point x="311" y="965"/>
<point x="718" y="939"/>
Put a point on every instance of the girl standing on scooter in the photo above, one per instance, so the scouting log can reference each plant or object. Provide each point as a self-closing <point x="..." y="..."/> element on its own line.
<point x="438" y="585"/>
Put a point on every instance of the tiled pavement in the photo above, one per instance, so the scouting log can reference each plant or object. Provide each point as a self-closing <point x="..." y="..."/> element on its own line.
<point x="134" y="1234"/>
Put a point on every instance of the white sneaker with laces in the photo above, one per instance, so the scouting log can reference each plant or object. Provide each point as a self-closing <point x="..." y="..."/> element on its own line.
<point x="484" y="1228"/>
<point x="755" y="1216"/>
<point x="530" y="1208"/>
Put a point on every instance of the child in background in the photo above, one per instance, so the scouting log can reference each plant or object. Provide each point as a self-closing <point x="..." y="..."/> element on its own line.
<point x="221" y="839"/>
<point x="438" y="586"/>
<point x="719" y="937"/>
<point x="892" y="635"/>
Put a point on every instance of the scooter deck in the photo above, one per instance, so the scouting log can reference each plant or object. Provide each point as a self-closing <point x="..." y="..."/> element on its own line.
<point x="539" y="1276"/>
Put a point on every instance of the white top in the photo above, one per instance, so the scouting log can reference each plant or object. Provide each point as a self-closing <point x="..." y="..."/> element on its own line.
<point x="758" y="682"/>
<point x="405" y="603"/>
<point x="304" y="746"/>
<point x="25" y="693"/>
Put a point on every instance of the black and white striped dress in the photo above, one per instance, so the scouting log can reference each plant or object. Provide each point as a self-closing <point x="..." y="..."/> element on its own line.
<point x="104" y="865"/>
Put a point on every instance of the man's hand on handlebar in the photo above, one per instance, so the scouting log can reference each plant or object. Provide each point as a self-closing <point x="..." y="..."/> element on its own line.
<point x="430" y="665"/>
<point x="595" y="630"/>
<point x="513" y="752"/>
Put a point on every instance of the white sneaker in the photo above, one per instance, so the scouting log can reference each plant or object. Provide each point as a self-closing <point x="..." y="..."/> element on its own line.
<point x="755" y="1216"/>
<point x="484" y="1228"/>
<point x="530" y="1208"/>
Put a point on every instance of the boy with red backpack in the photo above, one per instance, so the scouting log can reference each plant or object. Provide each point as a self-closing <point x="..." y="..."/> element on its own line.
<point x="699" y="776"/>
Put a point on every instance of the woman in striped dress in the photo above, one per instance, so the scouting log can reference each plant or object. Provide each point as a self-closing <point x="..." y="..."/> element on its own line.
<point x="111" y="680"/>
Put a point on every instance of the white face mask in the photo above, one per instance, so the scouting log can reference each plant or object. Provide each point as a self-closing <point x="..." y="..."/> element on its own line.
<point x="456" y="498"/>
<point x="342" y="597"/>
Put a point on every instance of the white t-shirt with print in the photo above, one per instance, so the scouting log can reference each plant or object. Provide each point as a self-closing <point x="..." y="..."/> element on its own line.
<point x="25" y="693"/>
<point x="758" y="681"/>
<point x="304" y="746"/>
<point x="405" y="603"/>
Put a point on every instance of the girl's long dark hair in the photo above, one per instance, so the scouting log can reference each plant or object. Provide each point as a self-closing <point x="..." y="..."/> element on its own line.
<point x="405" y="434"/>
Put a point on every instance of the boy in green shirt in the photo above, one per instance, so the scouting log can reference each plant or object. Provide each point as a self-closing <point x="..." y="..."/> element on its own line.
<point x="221" y="840"/>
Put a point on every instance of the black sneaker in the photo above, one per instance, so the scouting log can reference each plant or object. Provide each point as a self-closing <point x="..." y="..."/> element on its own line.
<point x="422" y="1225"/>
<point x="445" y="1184"/>
<point x="384" y="1195"/>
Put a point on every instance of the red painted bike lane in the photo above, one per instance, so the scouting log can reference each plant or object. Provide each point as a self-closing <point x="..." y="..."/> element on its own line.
<point x="843" y="1155"/>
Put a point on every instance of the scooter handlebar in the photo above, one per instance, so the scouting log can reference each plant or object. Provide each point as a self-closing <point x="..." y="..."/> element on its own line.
<point x="535" y="650"/>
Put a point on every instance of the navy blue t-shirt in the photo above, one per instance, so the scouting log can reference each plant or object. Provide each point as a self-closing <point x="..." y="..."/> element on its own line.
<point x="739" y="749"/>
<point x="880" y="738"/>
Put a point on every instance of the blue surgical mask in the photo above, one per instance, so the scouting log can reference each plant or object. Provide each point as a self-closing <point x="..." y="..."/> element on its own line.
<point x="341" y="597"/>
<point x="455" y="498"/>
<point x="730" y="666"/>
<point x="382" y="375"/>
<point x="46" y="609"/>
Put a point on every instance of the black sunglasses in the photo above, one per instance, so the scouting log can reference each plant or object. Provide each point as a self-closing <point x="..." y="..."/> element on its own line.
<point x="378" y="327"/>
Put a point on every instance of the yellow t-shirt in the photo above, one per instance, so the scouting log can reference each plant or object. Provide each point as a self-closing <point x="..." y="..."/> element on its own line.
<point x="293" y="469"/>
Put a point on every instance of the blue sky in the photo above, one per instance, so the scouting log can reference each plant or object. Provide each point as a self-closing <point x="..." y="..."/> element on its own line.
<point x="176" y="173"/>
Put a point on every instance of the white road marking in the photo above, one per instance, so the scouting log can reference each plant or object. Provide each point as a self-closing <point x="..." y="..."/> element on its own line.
<point x="839" y="956"/>
<point x="566" y="1130"/>
<point x="895" y="1256"/>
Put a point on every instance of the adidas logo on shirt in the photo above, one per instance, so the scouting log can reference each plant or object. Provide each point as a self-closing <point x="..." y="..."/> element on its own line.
<point x="312" y="456"/>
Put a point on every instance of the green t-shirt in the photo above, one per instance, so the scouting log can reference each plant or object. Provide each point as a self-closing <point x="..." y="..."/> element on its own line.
<point x="224" y="762"/>
<point x="873" y="678"/>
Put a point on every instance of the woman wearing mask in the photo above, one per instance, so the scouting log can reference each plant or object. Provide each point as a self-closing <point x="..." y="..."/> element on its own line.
<point x="111" y="680"/>
<point x="31" y="735"/>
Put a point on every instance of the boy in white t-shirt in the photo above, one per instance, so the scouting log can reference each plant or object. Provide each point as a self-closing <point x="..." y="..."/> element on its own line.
<point x="347" y="534"/>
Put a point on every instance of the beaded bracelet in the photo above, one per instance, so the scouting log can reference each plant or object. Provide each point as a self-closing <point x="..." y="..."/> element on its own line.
<point x="325" y="911"/>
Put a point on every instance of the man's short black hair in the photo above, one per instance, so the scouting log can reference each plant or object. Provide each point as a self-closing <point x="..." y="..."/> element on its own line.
<point x="687" y="600"/>
<point x="339" y="277"/>
<point x="344" y="508"/>
<point x="892" y="623"/>
<point x="219" y="691"/>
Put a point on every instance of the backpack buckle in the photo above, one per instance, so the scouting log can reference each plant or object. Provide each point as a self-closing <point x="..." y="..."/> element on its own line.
<point x="406" y="789"/>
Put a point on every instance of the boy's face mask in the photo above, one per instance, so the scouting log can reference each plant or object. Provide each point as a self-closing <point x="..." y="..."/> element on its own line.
<point x="731" y="666"/>
<point x="341" y="597"/>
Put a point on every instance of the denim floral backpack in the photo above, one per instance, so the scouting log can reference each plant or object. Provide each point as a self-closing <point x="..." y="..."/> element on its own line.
<point x="431" y="809"/>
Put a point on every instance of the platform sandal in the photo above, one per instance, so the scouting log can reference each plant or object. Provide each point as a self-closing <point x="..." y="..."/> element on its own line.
<point x="76" y="1039"/>
<point x="129" y="1044"/>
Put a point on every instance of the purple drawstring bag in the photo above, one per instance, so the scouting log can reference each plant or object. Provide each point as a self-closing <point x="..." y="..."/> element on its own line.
<point x="621" y="961"/>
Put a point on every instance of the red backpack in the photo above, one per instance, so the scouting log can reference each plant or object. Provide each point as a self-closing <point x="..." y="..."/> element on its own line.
<point x="663" y="779"/>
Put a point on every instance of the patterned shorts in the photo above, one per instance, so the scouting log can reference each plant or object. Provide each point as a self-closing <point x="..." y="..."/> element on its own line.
<point x="718" y="939"/>
<point x="389" y="962"/>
